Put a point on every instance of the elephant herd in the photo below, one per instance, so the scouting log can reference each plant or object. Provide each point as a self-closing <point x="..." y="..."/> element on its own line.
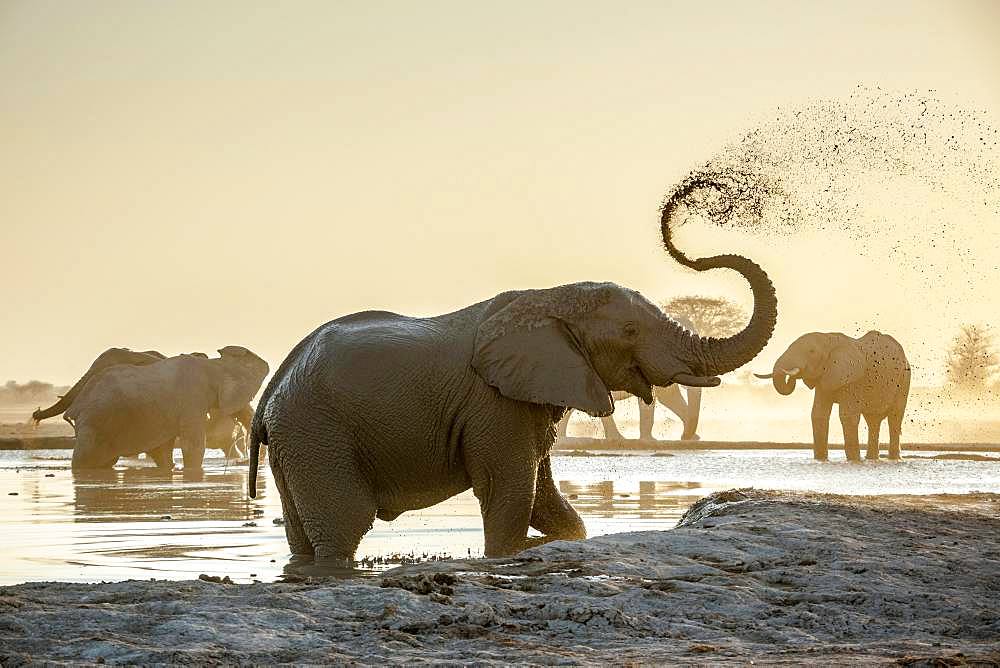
<point x="375" y="414"/>
<point x="129" y="403"/>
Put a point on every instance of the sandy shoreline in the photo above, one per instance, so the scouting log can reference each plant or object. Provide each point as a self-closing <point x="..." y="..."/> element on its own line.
<point x="763" y="576"/>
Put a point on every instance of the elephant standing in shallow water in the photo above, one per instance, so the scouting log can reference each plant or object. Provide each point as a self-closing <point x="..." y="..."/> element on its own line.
<point x="124" y="410"/>
<point x="375" y="413"/>
<point x="869" y="376"/>
<point x="219" y="428"/>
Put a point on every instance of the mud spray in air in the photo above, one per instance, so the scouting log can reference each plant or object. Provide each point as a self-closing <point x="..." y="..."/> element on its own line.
<point x="895" y="199"/>
<point x="830" y="164"/>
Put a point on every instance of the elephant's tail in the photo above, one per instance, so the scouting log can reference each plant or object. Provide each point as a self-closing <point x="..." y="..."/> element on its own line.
<point x="258" y="435"/>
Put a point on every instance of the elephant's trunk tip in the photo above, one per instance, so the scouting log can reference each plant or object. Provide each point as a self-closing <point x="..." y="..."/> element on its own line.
<point x="783" y="383"/>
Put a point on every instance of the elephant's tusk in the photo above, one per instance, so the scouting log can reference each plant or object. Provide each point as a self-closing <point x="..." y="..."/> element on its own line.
<point x="791" y="372"/>
<point x="764" y="375"/>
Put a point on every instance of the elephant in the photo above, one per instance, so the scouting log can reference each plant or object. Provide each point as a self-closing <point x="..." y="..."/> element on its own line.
<point x="219" y="428"/>
<point x="124" y="410"/>
<point x="671" y="397"/>
<point x="867" y="376"/>
<point x="374" y="414"/>
<point x="688" y="411"/>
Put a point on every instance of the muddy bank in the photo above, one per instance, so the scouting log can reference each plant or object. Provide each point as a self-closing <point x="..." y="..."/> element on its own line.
<point x="773" y="577"/>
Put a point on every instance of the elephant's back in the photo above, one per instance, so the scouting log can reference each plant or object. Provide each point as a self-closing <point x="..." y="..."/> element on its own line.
<point x="103" y="392"/>
<point x="890" y="375"/>
<point x="370" y="354"/>
<point x="884" y="351"/>
<point x="125" y="408"/>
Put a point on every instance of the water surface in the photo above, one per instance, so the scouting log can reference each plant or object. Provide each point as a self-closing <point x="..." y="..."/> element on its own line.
<point x="136" y="522"/>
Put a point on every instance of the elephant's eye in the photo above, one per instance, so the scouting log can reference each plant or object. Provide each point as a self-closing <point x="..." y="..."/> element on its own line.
<point x="631" y="330"/>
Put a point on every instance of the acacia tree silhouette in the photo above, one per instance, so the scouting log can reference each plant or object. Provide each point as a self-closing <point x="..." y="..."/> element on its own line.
<point x="972" y="359"/>
<point x="710" y="316"/>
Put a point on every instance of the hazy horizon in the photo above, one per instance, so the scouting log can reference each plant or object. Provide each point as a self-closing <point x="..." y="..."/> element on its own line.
<point x="183" y="176"/>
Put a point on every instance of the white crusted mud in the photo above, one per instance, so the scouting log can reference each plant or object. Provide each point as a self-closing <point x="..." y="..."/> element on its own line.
<point x="748" y="575"/>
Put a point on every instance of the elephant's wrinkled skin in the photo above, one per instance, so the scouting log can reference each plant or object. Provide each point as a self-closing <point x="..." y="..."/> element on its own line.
<point x="219" y="428"/>
<point x="688" y="411"/>
<point x="375" y="413"/>
<point x="869" y="376"/>
<point x="124" y="410"/>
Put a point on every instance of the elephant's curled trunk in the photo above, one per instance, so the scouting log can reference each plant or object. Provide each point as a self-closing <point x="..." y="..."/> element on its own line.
<point x="782" y="382"/>
<point x="713" y="356"/>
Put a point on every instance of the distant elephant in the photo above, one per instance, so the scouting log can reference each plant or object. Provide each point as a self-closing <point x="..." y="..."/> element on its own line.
<point x="375" y="414"/>
<point x="671" y="397"/>
<point x="219" y="429"/>
<point x="869" y="376"/>
<point x="688" y="411"/>
<point x="125" y="410"/>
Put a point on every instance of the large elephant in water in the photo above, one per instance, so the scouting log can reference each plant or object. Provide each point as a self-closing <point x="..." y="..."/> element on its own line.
<point x="124" y="410"/>
<point x="688" y="411"/>
<point x="375" y="413"/>
<point x="220" y="429"/>
<point x="869" y="376"/>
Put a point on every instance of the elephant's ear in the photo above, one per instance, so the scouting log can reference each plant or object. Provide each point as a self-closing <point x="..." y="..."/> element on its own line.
<point x="844" y="365"/>
<point x="542" y="364"/>
<point x="232" y="394"/>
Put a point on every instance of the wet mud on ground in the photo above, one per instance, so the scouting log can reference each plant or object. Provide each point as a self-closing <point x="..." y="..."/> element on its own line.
<point x="773" y="577"/>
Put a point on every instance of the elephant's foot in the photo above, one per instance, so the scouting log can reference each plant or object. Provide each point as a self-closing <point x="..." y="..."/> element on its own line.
<point x="872" y="456"/>
<point x="535" y="541"/>
<point x="323" y="567"/>
<point x="690" y="437"/>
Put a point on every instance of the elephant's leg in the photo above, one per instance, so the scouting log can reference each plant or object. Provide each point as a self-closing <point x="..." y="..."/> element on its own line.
<point x="849" y="420"/>
<point x="90" y="453"/>
<point x="191" y="441"/>
<point x="693" y="414"/>
<point x="552" y="514"/>
<point x="239" y="445"/>
<point x="874" y="423"/>
<point x="895" y="431"/>
<point x="821" y="426"/>
<point x="163" y="455"/>
<point x="895" y="418"/>
<point x="332" y="497"/>
<point x="611" y="429"/>
<point x="647" y="416"/>
<point x="298" y="542"/>
<point x="563" y="425"/>
<point x="506" y="496"/>
<point x="672" y="398"/>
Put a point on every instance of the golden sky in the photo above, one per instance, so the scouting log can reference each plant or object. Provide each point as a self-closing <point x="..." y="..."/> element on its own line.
<point x="187" y="175"/>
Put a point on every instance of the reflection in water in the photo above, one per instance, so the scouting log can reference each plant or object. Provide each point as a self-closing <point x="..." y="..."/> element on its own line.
<point x="149" y="493"/>
<point x="653" y="498"/>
